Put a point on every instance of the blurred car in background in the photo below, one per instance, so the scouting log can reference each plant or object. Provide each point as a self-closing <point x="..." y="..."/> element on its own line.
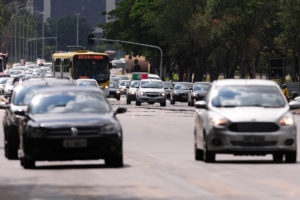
<point x="180" y="92"/>
<point x="151" y="91"/>
<point x="131" y="92"/>
<point x="87" y="83"/>
<point x="2" y="75"/>
<point x="168" y="88"/>
<point x="70" y="123"/>
<point x="2" y="84"/>
<point x="8" y="88"/>
<point x="153" y="76"/>
<point x="245" y="117"/>
<point x="124" y="85"/>
<point x="114" y="90"/>
<point x="198" y="93"/>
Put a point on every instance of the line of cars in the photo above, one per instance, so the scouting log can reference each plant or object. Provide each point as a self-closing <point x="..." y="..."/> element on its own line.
<point x="60" y="119"/>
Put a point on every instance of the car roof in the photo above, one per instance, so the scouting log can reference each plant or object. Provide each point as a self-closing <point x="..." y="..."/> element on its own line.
<point x="57" y="89"/>
<point x="153" y="80"/>
<point x="244" y="82"/>
<point x="45" y="81"/>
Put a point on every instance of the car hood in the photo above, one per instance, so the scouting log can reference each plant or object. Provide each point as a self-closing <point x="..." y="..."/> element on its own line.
<point x="132" y="89"/>
<point x="151" y="89"/>
<point x="255" y="114"/>
<point x="70" y="120"/>
<point x="200" y="92"/>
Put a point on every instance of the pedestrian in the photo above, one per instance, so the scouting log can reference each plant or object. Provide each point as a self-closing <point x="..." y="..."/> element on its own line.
<point x="285" y="91"/>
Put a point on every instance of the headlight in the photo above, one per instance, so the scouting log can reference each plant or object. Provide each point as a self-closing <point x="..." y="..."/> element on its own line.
<point x="194" y="94"/>
<point x="109" y="129"/>
<point x="132" y="92"/>
<point x="142" y="93"/>
<point x="106" y="87"/>
<point x="287" y="120"/>
<point x="117" y="91"/>
<point x="217" y="120"/>
<point x="163" y="94"/>
<point x="122" y="89"/>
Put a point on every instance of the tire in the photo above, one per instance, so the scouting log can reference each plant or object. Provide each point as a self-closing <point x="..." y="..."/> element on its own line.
<point x="163" y="104"/>
<point x="291" y="157"/>
<point x="172" y="101"/>
<point x="118" y="98"/>
<point x="192" y="103"/>
<point x="137" y="103"/>
<point x="277" y="157"/>
<point x="189" y="104"/>
<point x="27" y="163"/>
<point x="10" y="149"/>
<point x="208" y="156"/>
<point x="198" y="153"/>
<point x="114" y="161"/>
<point x="128" y="101"/>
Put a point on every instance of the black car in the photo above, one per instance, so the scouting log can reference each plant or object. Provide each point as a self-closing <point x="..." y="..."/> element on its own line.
<point x="198" y="93"/>
<point x="181" y="92"/>
<point x="70" y="123"/>
<point x="21" y="96"/>
<point x="114" y="90"/>
<point x="168" y="88"/>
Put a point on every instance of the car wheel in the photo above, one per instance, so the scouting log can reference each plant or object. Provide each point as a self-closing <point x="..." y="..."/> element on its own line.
<point x="291" y="157"/>
<point x="192" y="103"/>
<point x="172" y="101"/>
<point x="137" y="102"/>
<point x="118" y="98"/>
<point x="27" y="163"/>
<point x="277" y="157"/>
<point x="189" y="104"/>
<point x="163" y="104"/>
<point x="128" y="101"/>
<point x="208" y="156"/>
<point x="198" y="153"/>
<point x="114" y="161"/>
<point x="10" y="149"/>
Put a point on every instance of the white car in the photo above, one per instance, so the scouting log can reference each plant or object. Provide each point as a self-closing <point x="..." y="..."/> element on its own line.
<point x="87" y="83"/>
<point x="153" y="76"/>
<point x="151" y="91"/>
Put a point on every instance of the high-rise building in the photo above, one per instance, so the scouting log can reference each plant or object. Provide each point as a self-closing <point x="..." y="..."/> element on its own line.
<point x="90" y="9"/>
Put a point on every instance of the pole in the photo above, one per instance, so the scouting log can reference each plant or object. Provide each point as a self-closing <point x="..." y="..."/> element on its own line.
<point x="162" y="75"/>
<point x="16" y="41"/>
<point x="56" y="36"/>
<point x="43" y="47"/>
<point x="36" y="35"/>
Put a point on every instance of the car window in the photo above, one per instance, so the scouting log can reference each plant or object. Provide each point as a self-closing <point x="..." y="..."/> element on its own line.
<point x="23" y="95"/>
<point x="113" y="85"/>
<point x="151" y="84"/>
<point x="200" y="86"/>
<point x="180" y="86"/>
<point x="235" y="96"/>
<point x="87" y="84"/>
<point x="135" y="84"/>
<point x="167" y="85"/>
<point x="69" y="102"/>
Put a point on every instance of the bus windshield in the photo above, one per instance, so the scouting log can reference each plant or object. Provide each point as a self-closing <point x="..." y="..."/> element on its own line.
<point x="90" y="67"/>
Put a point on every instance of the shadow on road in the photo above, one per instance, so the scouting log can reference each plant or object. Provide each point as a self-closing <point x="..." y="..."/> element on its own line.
<point x="80" y="166"/>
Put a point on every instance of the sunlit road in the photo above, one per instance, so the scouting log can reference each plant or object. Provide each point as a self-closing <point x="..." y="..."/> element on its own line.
<point x="159" y="164"/>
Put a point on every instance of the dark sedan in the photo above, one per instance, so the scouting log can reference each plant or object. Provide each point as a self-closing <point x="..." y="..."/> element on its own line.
<point x="114" y="90"/>
<point x="181" y="92"/>
<point x="198" y="93"/>
<point x="21" y="96"/>
<point x="70" y="123"/>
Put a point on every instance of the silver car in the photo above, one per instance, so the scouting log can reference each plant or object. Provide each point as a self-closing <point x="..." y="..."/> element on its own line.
<point x="245" y="117"/>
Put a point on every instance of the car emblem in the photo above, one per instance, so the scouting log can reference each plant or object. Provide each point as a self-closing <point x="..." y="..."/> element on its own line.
<point x="74" y="131"/>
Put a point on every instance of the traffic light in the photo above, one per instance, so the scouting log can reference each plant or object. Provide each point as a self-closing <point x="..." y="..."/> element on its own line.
<point x="91" y="41"/>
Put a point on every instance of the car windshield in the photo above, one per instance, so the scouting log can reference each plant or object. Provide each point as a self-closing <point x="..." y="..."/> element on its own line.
<point x="200" y="86"/>
<point x="125" y="83"/>
<point x="135" y="84"/>
<point x="69" y="102"/>
<point x="236" y="96"/>
<point x="15" y="72"/>
<point x="151" y="84"/>
<point x="114" y="85"/>
<point x="87" y="84"/>
<point x="183" y="86"/>
<point x="23" y="95"/>
<point x="167" y="85"/>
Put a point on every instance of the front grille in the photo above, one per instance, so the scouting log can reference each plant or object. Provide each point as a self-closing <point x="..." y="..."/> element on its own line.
<point x="253" y="144"/>
<point x="152" y="94"/>
<point x="253" y="127"/>
<point x="85" y="131"/>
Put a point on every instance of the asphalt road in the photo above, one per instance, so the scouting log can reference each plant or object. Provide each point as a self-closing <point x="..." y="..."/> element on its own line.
<point x="159" y="164"/>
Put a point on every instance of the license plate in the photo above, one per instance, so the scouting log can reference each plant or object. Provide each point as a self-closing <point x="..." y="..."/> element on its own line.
<point x="80" y="143"/>
<point x="251" y="139"/>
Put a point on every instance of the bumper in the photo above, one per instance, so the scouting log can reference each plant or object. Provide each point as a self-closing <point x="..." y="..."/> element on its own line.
<point x="114" y="95"/>
<point x="181" y="97"/>
<point x="132" y="97"/>
<point x="197" y="98"/>
<point x="224" y="141"/>
<point x="160" y="99"/>
<point x="55" y="148"/>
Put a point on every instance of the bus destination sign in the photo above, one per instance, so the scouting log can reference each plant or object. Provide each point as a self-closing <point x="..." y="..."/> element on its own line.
<point x="90" y="57"/>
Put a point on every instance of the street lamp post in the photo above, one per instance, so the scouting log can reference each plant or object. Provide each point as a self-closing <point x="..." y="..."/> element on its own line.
<point x="77" y="41"/>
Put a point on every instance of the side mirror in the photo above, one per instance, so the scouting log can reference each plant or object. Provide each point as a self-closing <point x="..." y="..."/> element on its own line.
<point x="200" y="104"/>
<point x="294" y="105"/>
<point x="120" y="110"/>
